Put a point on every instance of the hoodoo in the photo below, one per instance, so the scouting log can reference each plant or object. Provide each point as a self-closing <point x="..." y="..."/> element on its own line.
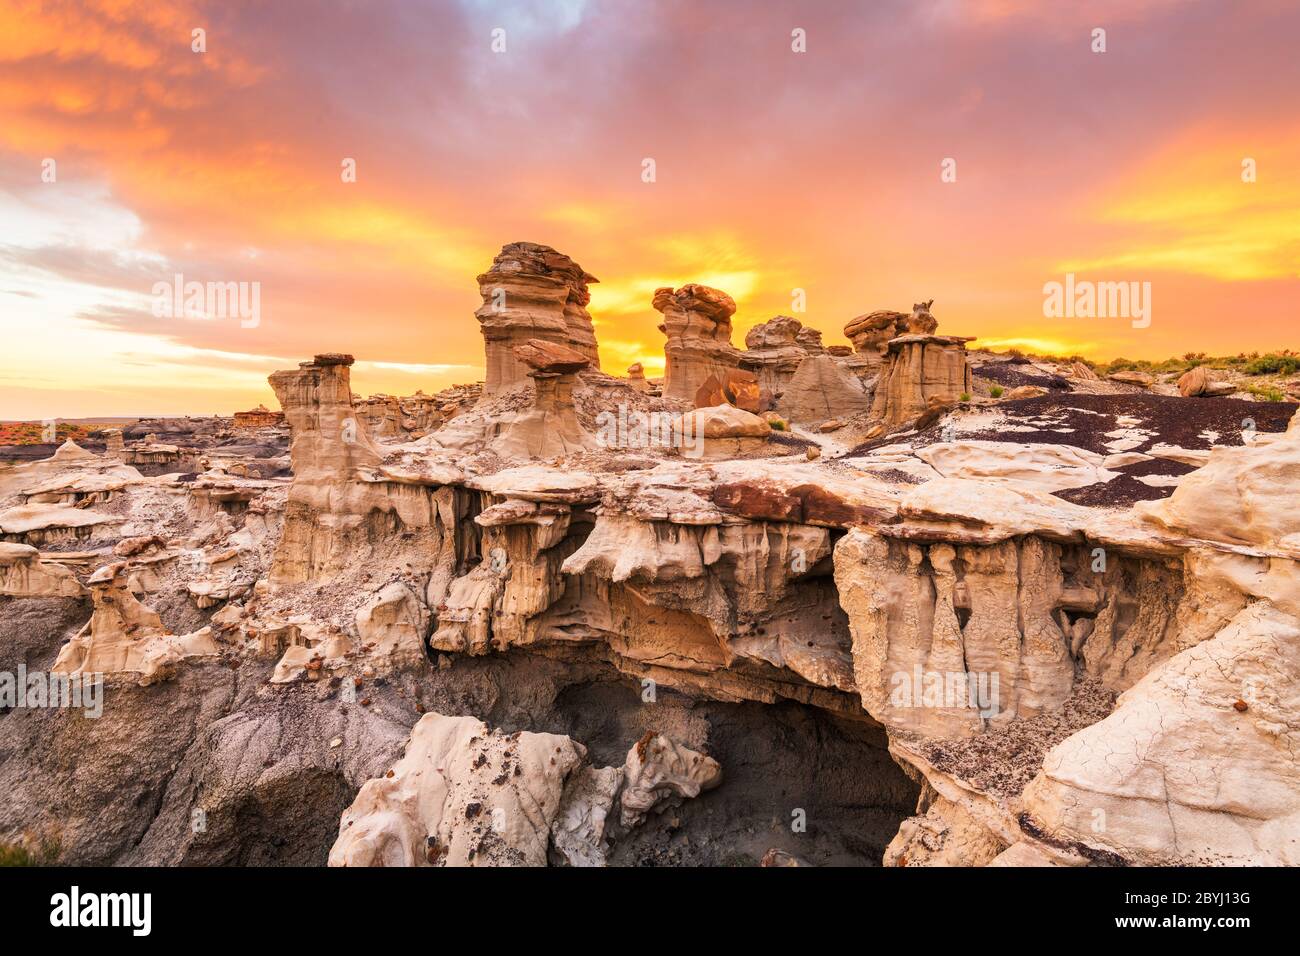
<point x="883" y="559"/>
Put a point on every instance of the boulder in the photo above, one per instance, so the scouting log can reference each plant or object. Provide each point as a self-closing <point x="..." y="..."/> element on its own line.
<point x="733" y="387"/>
<point x="725" y="421"/>
<point x="1132" y="377"/>
<point x="1024" y="391"/>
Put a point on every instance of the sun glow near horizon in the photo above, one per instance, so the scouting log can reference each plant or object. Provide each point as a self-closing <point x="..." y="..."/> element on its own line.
<point x="801" y="172"/>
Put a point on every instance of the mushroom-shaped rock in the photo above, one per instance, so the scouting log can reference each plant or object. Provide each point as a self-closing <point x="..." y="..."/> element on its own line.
<point x="636" y="377"/>
<point x="532" y="292"/>
<point x="697" y="322"/>
<point x="550" y="428"/>
<point x="871" y="333"/>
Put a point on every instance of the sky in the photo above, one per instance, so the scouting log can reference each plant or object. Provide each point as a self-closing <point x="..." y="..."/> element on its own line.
<point x="870" y="153"/>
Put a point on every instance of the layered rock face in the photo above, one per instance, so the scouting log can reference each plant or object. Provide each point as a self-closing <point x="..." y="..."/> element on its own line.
<point x="24" y="574"/>
<point x="343" y="504"/>
<point x="401" y="418"/>
<point x="821" y="389"/>
<point x="697" y="322"/>
<point x="1064" y="678"/>
<point x="870" y="335"/>
<point x="922" y="371"/>
<point x="259" y="417"/>
<point x="550" y="428"/>
<point x="773" y="353"/>
<point x="329" y="445"/>
<point x="532" y="292"/>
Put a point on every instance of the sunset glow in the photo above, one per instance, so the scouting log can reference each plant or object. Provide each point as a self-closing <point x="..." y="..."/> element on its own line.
<point x="775" y="171"/>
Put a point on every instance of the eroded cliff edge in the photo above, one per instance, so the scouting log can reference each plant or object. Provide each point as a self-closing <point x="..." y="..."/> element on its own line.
<point x="586" y="620"/>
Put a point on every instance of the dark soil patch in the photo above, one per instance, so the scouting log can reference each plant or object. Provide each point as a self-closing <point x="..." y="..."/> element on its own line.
<point x="1171" y="419"/>
<point x="789" y="440"/>
<point x="1117" y="493"/>
<point x="1126" y="489"/>
<point x="896" y="476"/>
<point x="1002" y="762"/>
<point x="1008" y="375"/>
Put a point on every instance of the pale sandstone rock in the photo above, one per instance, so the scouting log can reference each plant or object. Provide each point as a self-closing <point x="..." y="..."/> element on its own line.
<point x="1082" y="372"/>
<point x="725" y="421"/>
<point x="871" y="333"/>
<point x="343" y="504"/>
<point x="1195" y="765"/>
<point x="1015" y="614"/>
<point x="578" y="830"/>
<point x="51" y="524"/>
<point x="636" y="377"/>
<point x="1194" y="381"/>
<point x="697" y="323"/>
<point x="1047" y="467"/>
<point x="921" y="371"/>
<point x="24" y="574"/>
<point x="945" y="835"/>
<point x="823" y="389"/>
<point x="395" y="621"/>
<point x="462" y="795"/>
<point x="72" y="467"/>
<point x="549" y="429"/>
<point x="660" y="773"/>
<point x="124" y="635"/>
<point x="465" y="795"/>
<point x="1132" y="377"/>
<point x="773" y="352"/>
<point x="532" y="292"/>
<point x="1023" y="854"/>
<point x="1196" y="457"/>
<point x="1235" y="497"/>
<point x="1024" y="391"/>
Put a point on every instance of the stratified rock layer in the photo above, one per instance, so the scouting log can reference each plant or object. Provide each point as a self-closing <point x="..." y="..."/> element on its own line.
<point x="532" y="292"/>
<point x="697" y="322"/>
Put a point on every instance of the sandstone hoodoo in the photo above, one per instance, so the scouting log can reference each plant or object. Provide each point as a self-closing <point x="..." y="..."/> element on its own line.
<point x="636" y="377"/>
<point x="697" y="323"/>
<point x="922" y="371"/>
<point x="562" y="619"/>
<point x="550" y="428"/>
<point x="773" y="353"/>
<point x="532" y="292"/>
<point x="870" y="335"/>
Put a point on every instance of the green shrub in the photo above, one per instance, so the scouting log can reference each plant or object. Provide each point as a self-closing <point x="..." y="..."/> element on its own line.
<point x="996" y="391"/>
<point x="1273" y="364"/>
<point x="964" y="397"/>
<point x="1266" y="392"/>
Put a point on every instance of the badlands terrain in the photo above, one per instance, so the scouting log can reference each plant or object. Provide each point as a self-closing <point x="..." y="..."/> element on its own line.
<point x="894" y="601"/>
